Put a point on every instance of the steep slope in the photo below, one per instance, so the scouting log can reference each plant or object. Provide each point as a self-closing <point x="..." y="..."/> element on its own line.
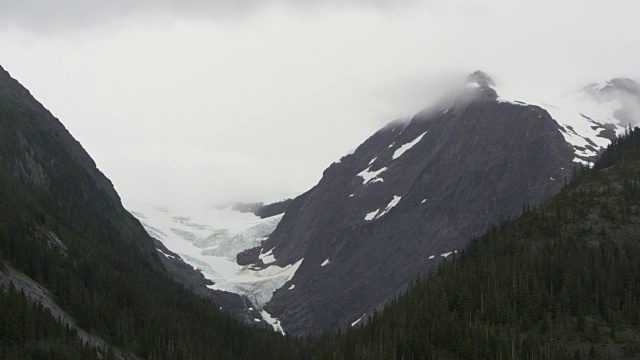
<point x="413" y="194"/>
<point x="561" y="281"/>
<point x="62" y="225"/>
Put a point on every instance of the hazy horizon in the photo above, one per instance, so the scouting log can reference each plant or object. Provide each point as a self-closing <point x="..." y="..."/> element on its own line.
<point x="198" y="102"/>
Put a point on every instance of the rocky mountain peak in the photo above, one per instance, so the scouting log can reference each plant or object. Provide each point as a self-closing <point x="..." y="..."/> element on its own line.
<point x="481" y="78"/>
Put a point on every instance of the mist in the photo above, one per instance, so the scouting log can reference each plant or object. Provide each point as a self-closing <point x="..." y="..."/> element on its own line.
<point x="200" y="102"/>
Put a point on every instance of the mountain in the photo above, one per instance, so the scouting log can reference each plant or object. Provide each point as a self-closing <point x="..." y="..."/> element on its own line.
<point x="559" y="282"/>
<point x="83" y="271"/>
<point x="414" y="193"/>
<point x="408" y="197"/>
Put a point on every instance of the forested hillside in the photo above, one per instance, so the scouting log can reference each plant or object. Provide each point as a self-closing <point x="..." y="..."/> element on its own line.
<point x="560" y="282"/>
<point x="62" y="224"/>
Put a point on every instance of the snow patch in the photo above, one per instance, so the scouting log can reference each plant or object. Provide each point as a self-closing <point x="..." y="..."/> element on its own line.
<point x="167" y="255"/>
<point x="404" y="148"/>
<point x="518" y="103"/>
<point x="379" y="213"/>
<point x="325" y="263"/>
<point x="432" y="257"/>
<point x="275" y="323"/>
<point x="446" y="254"/>
<point x="581" y="119"/>
<point x="391" y="205"/>
<point x="372" y="215"/>
<point x="368" y="175"/>
<point x="357" y="321"/>
<point x="293" y="286"/>
<point x="423" y="201"/>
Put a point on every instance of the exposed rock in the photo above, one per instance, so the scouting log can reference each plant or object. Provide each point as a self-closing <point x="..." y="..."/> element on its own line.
<point x="407" y="198"/>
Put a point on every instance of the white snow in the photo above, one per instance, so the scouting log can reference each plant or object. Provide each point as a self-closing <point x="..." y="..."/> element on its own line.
<point x="404" y="148"/>
<point x="167" y="255"/>
<point x="209" y="240"/>
<point x="379" y="213"/>
<point x="325" y="263"/>
<point x="368" y="175"/>
<point x="577" y="113"/>
<point x="357" y="321"/>
<point x="268" y="257"/>
<point x="432" y="257"/>
<point x="257" y="320"/>
<point x="519" y="103"/>
<point x="372" y="215"/>
<point x="275" y="323"/>
<point x="372" y="160"/>
<point x="446" y="254"/>
<point x="393" y="143"/>
<point x="423" y="201"/>
<point x="293" y="286"/>
<point x="391" y="205"/>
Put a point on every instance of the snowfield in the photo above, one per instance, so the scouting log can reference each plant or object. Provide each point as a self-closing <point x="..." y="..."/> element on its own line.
<point x="209" y="240"/>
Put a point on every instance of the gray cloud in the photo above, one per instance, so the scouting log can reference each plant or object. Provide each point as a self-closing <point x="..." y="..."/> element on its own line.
<point x="199" y="100"/>
<point x="47" y="17"/>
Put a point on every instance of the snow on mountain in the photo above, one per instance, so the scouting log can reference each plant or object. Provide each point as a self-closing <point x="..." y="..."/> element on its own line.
<point x="371" y="176"/>
<point x="589" y="118"/>
<point x="404" y="148"/>
<point x="381" y="212"/>
<point x="209" y="239"/>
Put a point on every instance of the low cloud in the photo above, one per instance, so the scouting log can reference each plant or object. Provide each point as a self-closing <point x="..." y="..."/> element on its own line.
<point x="48" y="17"/>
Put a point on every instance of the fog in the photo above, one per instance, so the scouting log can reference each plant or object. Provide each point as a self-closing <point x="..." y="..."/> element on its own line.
<point x="207" y="102"/>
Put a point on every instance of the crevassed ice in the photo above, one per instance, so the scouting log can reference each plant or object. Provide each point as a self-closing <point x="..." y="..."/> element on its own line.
<point x="268" y="257"/>
<point x="210" y="239"/>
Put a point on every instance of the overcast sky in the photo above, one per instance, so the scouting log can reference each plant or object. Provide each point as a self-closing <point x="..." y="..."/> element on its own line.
<point x="210" y="101"/>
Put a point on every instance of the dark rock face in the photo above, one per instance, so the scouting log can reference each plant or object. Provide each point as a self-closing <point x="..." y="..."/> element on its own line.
<point x="481" y="78"/>
<point x="363" y="238"/>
